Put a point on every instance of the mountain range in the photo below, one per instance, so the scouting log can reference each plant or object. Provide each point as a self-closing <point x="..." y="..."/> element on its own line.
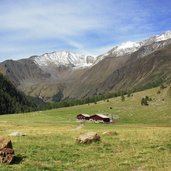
<point x="65" y="75"/>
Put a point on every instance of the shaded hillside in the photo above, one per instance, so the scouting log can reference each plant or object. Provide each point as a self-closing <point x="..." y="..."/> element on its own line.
<point x="25" y="69"/>
<point x="11" y="100"/>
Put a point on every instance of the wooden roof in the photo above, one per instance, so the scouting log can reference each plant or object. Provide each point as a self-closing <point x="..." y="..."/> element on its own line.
<point x="102" y="115"/>
<point x="86" y="115"/>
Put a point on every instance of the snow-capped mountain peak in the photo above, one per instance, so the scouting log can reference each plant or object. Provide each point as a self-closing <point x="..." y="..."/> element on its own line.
<point x="126" y="48"/>
<point x="74" y="60"/>
<point x="164" y="36"/>
<point x="130" y="47"/>
<point x="158" y="38"/>
<point x="64" y="58"/>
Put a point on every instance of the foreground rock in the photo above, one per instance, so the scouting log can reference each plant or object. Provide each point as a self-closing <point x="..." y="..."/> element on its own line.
<point x="88" y="138"/>
<point x="6" y="151"/>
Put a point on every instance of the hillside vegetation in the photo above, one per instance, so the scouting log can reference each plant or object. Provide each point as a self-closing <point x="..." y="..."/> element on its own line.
<point x="140" y="140"/>
<point x="11" y="100"/>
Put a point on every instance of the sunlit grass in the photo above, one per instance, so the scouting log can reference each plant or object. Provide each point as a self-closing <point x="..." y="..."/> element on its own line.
<point x="143" y="141"/>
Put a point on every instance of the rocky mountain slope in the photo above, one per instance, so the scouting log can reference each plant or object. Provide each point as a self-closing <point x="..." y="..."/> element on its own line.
<point x="46" y="75"/>
<point x="136" y="66"/>
<point x="66" y="75"/>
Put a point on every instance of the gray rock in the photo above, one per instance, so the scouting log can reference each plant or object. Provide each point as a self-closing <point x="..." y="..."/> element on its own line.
<point x="109" y="133"/>
<point x="88" y="138"/>
<point x="17" y="134"/>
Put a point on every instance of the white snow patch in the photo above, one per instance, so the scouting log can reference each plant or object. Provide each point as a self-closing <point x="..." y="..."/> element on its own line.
<point x="128" y="45"/>
<point x="125" y="48"/>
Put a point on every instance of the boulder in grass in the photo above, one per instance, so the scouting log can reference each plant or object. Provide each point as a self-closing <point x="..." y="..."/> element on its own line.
<point x="6" y="151"/>
<point x="110" y="133"/>
<point x="88" y="138"/>
<point x="17" y="134"/>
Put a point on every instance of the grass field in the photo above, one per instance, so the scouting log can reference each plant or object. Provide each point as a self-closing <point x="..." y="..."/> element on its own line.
<point x="143" y="141"/>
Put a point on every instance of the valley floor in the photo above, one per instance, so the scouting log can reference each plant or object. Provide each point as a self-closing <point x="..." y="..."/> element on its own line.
<point x="140" y="140"/>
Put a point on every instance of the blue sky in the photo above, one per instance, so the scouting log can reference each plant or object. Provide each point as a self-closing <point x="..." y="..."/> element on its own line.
<point x="92" y="27"/>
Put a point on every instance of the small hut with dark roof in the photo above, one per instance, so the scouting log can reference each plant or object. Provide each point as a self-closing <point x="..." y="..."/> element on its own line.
<point x="83" y="116"/>
<point x="100" y="118"/>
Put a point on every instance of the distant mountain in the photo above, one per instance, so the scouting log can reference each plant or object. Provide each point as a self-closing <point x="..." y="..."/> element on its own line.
<point x="127" y="48"/>
<point x="11" y="100"/>
<point x="64" y="58"/>
<point x="128" y="66"/>
<point x="46" y="75"/>
<point x="66" y="75"/>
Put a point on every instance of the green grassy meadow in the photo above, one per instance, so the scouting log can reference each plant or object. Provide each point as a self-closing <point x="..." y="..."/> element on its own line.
<point x="142" y="143"/>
